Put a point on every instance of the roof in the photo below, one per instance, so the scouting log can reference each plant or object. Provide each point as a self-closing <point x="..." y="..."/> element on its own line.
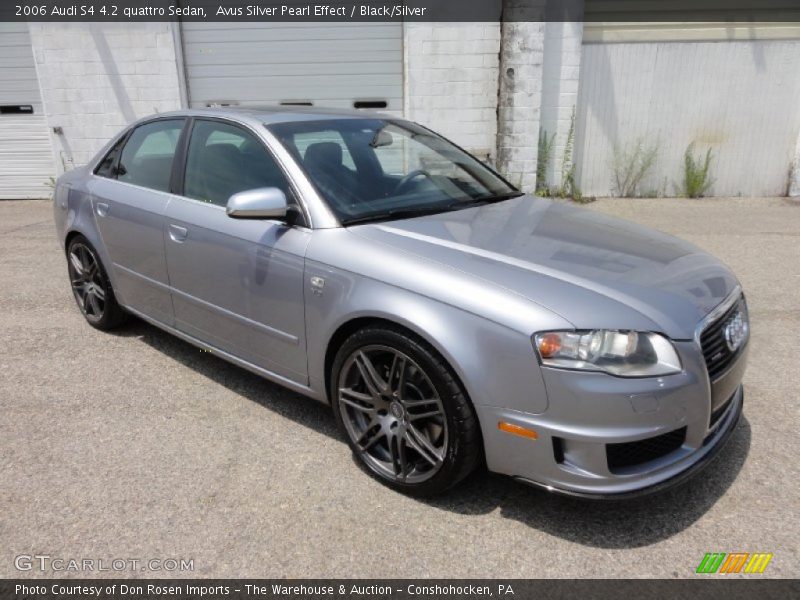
<point x="283" y="114"/>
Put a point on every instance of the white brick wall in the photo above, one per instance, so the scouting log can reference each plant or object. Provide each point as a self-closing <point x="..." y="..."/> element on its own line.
<point x="451" y="73"/>
<point x="97" y="78"/>
<point x="560" y="81"/>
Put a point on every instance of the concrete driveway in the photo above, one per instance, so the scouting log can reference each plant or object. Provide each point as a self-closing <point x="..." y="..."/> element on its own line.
<point x="138" y="445"/>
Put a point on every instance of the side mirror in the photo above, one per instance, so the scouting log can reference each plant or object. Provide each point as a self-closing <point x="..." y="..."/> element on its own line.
<point x="261" y="203"/>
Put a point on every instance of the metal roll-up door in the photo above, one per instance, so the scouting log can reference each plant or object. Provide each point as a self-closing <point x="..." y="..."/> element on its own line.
<point x="323" y="64"/>
<point x="26" y="157"/>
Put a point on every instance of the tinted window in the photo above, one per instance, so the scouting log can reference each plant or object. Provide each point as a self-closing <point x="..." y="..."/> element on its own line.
<point x="378" y="168"/>
<point x="224" y="159"/>
<point x="304" y="140"/>
<point x="106" y="166"/>
<point x="147" y="157"/>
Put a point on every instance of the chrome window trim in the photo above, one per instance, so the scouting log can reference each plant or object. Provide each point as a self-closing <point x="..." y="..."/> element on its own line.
<point x="716" y="313"/>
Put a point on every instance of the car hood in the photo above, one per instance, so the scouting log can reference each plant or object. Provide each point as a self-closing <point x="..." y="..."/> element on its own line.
<point x="594" y="270"/>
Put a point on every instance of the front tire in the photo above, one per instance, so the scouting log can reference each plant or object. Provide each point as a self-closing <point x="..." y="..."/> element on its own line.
<point x="91" y="286"/>
<point x="403" y="412"/>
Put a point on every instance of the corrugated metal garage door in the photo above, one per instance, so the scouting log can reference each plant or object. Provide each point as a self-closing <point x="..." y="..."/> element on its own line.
<point x="728" y="88"/>
<point x="327" y="64"/>
<point x="26" y="158"/>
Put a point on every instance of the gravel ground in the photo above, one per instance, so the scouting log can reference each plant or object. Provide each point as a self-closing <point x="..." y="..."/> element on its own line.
<point x="137" y="445"/>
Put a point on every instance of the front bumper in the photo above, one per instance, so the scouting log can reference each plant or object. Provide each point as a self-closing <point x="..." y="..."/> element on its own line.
<point x="667" y="429"/>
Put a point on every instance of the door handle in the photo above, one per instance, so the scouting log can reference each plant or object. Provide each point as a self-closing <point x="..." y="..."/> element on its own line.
<point x="102" y="209"/>
<point x="178" y="233"/>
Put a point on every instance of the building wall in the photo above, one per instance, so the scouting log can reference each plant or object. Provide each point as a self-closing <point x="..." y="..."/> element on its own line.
<point x="738" y="98"/>
<point x="560" y="82"/>
<point x="519" y="101"/>
<point x="97" y="78"/>
<point x="451" y="78"/>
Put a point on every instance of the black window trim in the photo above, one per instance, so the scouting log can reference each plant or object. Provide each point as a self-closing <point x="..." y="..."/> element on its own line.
<point x="119" y="146"/>
<point x="116" y="147"/>
<point x="182" y="153"/>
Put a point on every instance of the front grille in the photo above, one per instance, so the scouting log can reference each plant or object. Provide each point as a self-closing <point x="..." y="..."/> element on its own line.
<point x="631" y="454"/>
<point x="717" y="354"/>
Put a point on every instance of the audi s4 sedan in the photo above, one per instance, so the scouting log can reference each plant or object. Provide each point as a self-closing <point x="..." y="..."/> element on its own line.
<point x="448" y="319"/>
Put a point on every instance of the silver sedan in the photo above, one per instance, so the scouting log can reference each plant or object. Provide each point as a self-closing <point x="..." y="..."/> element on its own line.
<point x="448" y="319"/>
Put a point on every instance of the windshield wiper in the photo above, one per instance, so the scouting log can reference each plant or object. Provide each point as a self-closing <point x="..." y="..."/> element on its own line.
<point x="499" y="197"/>
<point x="401" y="213"/>
<point x="408" y="213"/>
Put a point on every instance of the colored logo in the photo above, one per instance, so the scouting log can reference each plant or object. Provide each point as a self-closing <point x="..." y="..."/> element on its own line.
<point x="736" y="562"/>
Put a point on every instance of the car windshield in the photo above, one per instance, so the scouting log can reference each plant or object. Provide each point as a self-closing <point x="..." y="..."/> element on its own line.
<point x="379" y="169"/>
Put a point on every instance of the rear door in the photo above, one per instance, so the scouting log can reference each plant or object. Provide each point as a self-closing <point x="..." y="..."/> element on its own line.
<point x="129" y="195"/>
<point x="237" y="284"/>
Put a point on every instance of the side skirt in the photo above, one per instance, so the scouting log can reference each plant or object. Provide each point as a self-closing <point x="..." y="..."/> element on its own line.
<point x="274" y="377"/>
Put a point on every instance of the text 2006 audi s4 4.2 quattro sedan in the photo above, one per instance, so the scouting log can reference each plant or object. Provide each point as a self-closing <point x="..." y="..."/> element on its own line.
<point x="449" y="319"/>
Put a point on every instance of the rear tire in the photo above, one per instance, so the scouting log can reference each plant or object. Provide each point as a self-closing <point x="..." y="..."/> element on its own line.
<point x="403" y="412"/>
<point x="91" y="287"/>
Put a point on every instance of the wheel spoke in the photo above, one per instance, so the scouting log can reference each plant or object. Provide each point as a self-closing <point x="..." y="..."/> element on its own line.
<point x="425" y="415"/>
<point x="419" y="442"/>
<point x="373" y="381"/>
<point x="86" y="260"/>
<point x="99" y="293"/>
<point x="80" y="295"/>
<point x="397" y="371"/>
<point x="76" y="263"/>
<point x="359" y="401"/>
<point x="418" y="403"/>
<point x="95" y="304"/>
<point x="371" y="434"/>
<point x="85" y="298"/>
<point x="397" y="448"/>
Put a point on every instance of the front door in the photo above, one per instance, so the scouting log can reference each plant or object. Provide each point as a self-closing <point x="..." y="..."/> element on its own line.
<point x="236" y="284"/>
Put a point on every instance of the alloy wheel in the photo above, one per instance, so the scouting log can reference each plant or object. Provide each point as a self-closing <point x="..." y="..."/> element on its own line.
<point x="88" y="284"/>
<point x="393" y="414"/>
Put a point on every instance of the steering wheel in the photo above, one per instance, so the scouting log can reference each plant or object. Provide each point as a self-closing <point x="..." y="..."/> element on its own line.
<point x="408" y="179"/>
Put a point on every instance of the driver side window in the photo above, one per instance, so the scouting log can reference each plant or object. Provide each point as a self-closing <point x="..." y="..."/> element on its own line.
<point x="224" y="159"/>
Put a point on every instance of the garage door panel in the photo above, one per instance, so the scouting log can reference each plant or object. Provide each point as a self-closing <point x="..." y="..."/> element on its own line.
<point x="323" y="63"/>
<point x="291" y="50"/>
<point x="26" y="159"/>
<point x="275" y="34"/>
<point x="294" y="69"/>
<point x="328" y="59"/>
<point x="320" y="82"/>
<point x="10" y="39"/>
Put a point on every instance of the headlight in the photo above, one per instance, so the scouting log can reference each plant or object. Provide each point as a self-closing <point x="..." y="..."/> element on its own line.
<point x="620" y="353"/>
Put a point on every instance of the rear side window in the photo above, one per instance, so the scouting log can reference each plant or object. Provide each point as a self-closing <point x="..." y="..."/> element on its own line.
<point x="224" y="160"/>
<point x="106" y="168"/>
<point x="147" y="157"/>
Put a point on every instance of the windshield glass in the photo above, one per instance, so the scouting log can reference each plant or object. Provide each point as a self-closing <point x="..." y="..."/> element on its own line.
<point x="372" y="169"/>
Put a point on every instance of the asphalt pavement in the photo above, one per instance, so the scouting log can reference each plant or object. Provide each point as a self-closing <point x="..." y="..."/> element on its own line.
<point x="136" y="445"/>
